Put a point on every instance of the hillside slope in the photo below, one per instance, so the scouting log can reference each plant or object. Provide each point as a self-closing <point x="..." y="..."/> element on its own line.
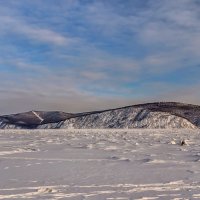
<point x="151" y="115"/>
<point x="124" y="118"/>
<point x="32" y="119"/>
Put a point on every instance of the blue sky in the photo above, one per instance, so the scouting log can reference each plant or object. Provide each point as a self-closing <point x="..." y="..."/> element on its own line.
<point x="85" y="55"/>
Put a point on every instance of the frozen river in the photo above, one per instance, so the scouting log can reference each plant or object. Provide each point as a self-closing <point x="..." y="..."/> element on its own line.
<point x="100" y="164"/>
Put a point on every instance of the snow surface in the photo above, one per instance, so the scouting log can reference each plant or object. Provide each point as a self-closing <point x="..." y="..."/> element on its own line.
<point x="38" y="116"/>
<point x="125" y="164"/>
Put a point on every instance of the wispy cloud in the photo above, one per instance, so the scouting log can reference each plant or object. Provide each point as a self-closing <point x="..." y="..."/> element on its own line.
<point x="16" y="26"/>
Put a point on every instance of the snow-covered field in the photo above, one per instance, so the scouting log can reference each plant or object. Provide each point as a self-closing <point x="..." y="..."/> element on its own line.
<point x="100" y="164"/>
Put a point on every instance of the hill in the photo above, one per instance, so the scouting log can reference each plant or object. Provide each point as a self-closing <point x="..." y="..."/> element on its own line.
<point x="149" y="115"/>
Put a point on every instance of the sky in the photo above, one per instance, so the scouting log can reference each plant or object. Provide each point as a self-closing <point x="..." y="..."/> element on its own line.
<point x="83" y="55"/>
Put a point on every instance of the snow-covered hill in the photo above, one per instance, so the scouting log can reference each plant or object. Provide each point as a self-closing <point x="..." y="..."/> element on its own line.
<point x="124" y="118"/>
<point x="153" y="115"/>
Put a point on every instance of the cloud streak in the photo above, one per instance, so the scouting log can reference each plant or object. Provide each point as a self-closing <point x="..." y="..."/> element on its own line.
<point x="11" y="25"/>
